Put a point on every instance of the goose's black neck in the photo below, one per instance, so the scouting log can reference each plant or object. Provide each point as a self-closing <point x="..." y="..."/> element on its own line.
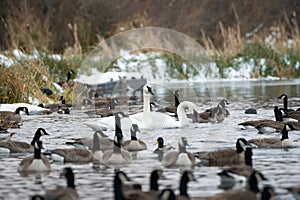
<point x="239" y="148"/>
<point x="184" y="185"/>
<point x="70" y="179"/>
<point x="153" y="181"/>
<point x="285" y="103"/>
<point x="278" y="117"/>
<point x="182" y="149"/>
<point x="133" y="135"/>
<point x="176" y="99"/>
<point x="253" y="183"/>
<point x="284" y="134"/>
<point x="248" y="157"/>
<point x="37" y="150"/>
<point x="118" y="190"/>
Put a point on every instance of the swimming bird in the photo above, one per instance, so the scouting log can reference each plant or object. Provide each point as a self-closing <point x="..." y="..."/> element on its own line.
<point x="35" y="163"/>
<point x="168" y="194"/>
<point x="68" y="193"/>
<point x="266" y="125"/>
<point x="285" y="103"/>
<point x="238" y="173"/>
<point x="13" y="146"/>
<point x="292" y="116"/>
<point x="32" y="109"/>
<point x="134" y="144"/>
<point x="105" y="142"/>
<point x="148" y="119"/>
<point x="161" y="146"/>
<point x="250" y="192"/>
<point x="282" y="142"/>
<point x="9" y="117"/>
<point x="79" y="155"/>
<point x="117" y="156"/>
<point x="138" y="194"/>
<point x="225" y="156"/>
<point x="68" y="82"/>
<point x="172" y="108"/>
<point x="180" y="157"/>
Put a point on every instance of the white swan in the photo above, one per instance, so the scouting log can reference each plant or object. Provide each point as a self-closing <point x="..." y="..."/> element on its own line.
<point x="33" y="110"/>
<point x="148" y="119"/>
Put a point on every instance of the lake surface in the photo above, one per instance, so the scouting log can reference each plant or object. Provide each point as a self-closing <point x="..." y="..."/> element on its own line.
<point x="280" y="166"/>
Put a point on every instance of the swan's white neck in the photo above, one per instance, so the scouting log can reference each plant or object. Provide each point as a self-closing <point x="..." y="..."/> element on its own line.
<point x="184" y="120"/>
<point x="146" y="108"/>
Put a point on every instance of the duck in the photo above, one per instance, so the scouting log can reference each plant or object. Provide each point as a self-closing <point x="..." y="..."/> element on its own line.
<point x="285" y="103"/>
<point x="250" y="192"/>
<point x="117" y="156"/>
<point x="180" y="157"/>
<point x="9" y="117"/>
<point x="105" y="142"/>
<point x="134" y="144"/>
<point x="35" y="163"/>
<point x="225" y="156"/>
<point x="13" y="146"/>
<point x="78" y="155"/>
<point x="283" y="142"/>
<point x="172" y="108"/>
<point x="238" y="173"/>
<point x="68" y="193"/>
<point x="161" y="146"/>
<point x="32" y="109"/>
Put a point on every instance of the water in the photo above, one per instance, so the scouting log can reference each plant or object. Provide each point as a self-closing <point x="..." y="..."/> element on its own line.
<point x="280" y="166"/>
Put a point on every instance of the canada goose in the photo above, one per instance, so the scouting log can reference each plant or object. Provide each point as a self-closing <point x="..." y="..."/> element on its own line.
<point x="180" y="157"/>
<point x="284" y="141"/>
<point x="54" y="107"/>
<point x="266" y="125"/>
<point x="238" y="173"/>
<point x="120" y="179"/>
<point x="226" y="156"/>
<point x="5" y="139"/>
<point x="168" y="194"/>
<point x="138" y="194"/>
<point x="251" y="191"/>
<point x="172" y="108"/>
<point x="22" y="147"/>
<point x="32" y="109"/>
<point x="68" y="82"/>
<point x="285" y="102"/>
<point x="134" y="144"/>
<point x="293" y="116"/>
<point x="295" y="190"/>
<point x="68" y="193"/>
<point x="222" y="105"/>
<point x="117" y="156"/>
<point x="8" y="117"/>
<point x="35" y="163"/>
<point x="80" y="155"/>
<point x="103" y="111"/>
<point x="105" y="142"/>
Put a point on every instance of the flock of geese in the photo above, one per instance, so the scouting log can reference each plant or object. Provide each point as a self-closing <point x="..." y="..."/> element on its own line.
<point x="116" y="153"/>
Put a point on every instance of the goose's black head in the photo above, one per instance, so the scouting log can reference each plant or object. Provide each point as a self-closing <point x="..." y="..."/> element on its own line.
<point x="289" y="127"/>
<point x="240" y="145"/>
<point x="69" y="175"/>
<point x="282" y="96"/>
<point x="24" y="109"/>
<point x="224" y="102"/>
<point x="254" y="179"/>
<point x="38" y="134"/>
<point x="167" y="194"/>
